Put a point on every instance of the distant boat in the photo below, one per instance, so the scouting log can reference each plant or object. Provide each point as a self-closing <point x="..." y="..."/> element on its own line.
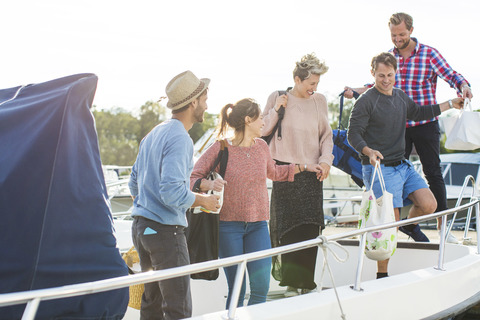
<point x="116" y="180"/>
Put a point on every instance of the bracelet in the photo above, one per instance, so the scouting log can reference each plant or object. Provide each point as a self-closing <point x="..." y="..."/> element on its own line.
<point x="450" y="103"/>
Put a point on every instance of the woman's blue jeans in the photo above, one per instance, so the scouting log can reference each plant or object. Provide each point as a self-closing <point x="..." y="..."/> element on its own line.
<point x="237" y="237"/>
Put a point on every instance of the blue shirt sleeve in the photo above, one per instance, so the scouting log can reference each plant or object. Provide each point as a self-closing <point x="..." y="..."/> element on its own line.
<point x="175" y="172"/>
<point x="132" y="183"/>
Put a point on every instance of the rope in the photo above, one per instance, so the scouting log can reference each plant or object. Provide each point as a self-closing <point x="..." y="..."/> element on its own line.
<point x="14" y="96"/>
<point x="325" y="245"/>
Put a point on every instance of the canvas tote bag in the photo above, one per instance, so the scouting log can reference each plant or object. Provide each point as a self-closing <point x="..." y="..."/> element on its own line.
<point x="463" y="129"/>
<point x="380" y="245"/>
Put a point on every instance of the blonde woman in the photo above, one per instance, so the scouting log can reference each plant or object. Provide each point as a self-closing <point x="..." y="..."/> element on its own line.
<point x="244" y="214"/>
<point x="297" y="207"/>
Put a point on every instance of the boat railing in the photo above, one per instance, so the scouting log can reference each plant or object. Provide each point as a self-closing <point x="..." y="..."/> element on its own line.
<point x="34" y="297"/>
<point x="115" y="187"/>
<point x="122" y="215"/>
<point x="474" y="194"/>
<point x="118" y="182"/>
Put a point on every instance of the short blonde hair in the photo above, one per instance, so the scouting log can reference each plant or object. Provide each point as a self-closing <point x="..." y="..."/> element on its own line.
<point x="308" y="65"/>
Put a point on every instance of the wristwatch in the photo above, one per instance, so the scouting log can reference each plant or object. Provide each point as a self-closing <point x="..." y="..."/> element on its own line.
<point x="450" y="103"/>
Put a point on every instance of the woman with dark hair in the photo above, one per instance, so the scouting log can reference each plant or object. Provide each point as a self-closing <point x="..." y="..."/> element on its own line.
<point x="244" y="214"/>
<point x="297" y="207"/>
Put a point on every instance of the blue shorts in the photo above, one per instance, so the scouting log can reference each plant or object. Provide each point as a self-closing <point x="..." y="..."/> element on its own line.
<point x="400" y="181"/>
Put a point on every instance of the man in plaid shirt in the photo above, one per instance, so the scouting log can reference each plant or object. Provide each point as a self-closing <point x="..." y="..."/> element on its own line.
<point x="418" y="69"/>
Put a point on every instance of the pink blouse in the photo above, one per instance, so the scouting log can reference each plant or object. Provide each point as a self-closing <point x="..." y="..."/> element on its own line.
<point x="245" y="196"/>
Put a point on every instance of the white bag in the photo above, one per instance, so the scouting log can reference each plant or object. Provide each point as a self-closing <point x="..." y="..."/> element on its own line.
<point x="463" y="129"/>
<point x="380" y="245"/>
<point x="211" y="176"/>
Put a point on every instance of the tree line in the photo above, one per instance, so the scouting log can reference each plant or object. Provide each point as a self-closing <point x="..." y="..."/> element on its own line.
<point x="120" y="132"/>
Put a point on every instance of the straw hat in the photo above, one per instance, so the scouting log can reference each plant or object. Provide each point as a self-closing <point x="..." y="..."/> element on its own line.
<point x="183" y="89"/>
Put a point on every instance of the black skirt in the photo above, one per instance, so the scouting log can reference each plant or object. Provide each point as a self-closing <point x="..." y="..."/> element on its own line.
<point x="294" y="204"/>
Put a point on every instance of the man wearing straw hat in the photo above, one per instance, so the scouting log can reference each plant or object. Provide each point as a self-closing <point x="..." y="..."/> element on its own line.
<point x="160" y="185"/>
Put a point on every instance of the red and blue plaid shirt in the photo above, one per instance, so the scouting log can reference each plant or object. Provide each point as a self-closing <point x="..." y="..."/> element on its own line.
<point x="417" y="76"/>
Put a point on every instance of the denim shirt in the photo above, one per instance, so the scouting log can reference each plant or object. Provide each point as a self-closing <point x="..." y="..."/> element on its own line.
<point x="160" y="178"/>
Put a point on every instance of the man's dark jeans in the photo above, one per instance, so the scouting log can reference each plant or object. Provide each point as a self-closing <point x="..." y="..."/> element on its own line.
<point x="426" y="139"/>
<point x="161" y="247"/>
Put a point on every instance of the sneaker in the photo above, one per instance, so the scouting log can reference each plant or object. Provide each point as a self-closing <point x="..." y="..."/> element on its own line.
<point x="291" y="292"/>
<point x="413" y="231"/>
<point x="450" y="238"/>
<point x="305" y="291"/>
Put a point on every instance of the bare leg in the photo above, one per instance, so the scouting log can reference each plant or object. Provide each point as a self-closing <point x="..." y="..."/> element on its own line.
<point x="382" y="266"/>
<point x="423" y="203"/>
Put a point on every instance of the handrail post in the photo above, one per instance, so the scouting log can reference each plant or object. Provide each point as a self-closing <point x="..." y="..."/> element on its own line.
<point x="467" y="223"/>
<point x="441" y="245"/>
<point x="31" y="309"/>
<point x="361" y="257"/>
<point x="232" y="308"/>
<point x="459" y="200"/>
<point x="477" y="222"/>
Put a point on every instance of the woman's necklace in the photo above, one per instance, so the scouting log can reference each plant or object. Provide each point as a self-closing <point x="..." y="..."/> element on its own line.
<point x="248" y="149"/>
<point x="247" y="152"/>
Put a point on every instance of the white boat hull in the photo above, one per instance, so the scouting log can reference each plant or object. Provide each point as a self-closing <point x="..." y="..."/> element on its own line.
<point x="414" y="290"/>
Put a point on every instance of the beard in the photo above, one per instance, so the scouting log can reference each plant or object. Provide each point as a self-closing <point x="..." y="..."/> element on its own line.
<point x="198" y="114"/>
<point x="405" y="45"/>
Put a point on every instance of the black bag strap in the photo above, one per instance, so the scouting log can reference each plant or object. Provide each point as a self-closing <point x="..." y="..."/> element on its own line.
<point x="278" y="125"/>
<point x="222" y="158"/>
<point x="355" y="95"/>
<point x="281" y="114"/>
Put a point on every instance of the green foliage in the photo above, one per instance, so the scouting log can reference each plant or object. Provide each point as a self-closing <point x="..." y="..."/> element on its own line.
<point x="334" y="112"/>
<point x="198" y="129"/>
<point x="117" y="132"/>
<point x="120" y="133"/>
<point x="151" y="114"/>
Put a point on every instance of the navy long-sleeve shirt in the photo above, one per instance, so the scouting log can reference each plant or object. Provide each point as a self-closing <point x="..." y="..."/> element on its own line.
<point x="378" y="121"/>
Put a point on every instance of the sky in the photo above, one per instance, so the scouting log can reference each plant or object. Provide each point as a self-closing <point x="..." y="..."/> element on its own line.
<point x="247" y="48"/>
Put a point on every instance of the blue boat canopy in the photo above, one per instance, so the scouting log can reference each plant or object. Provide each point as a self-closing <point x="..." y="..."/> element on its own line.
<point x="56" y="226"/>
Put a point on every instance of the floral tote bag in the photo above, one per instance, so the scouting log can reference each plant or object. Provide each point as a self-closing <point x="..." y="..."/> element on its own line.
<point x="380" y="245"/>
